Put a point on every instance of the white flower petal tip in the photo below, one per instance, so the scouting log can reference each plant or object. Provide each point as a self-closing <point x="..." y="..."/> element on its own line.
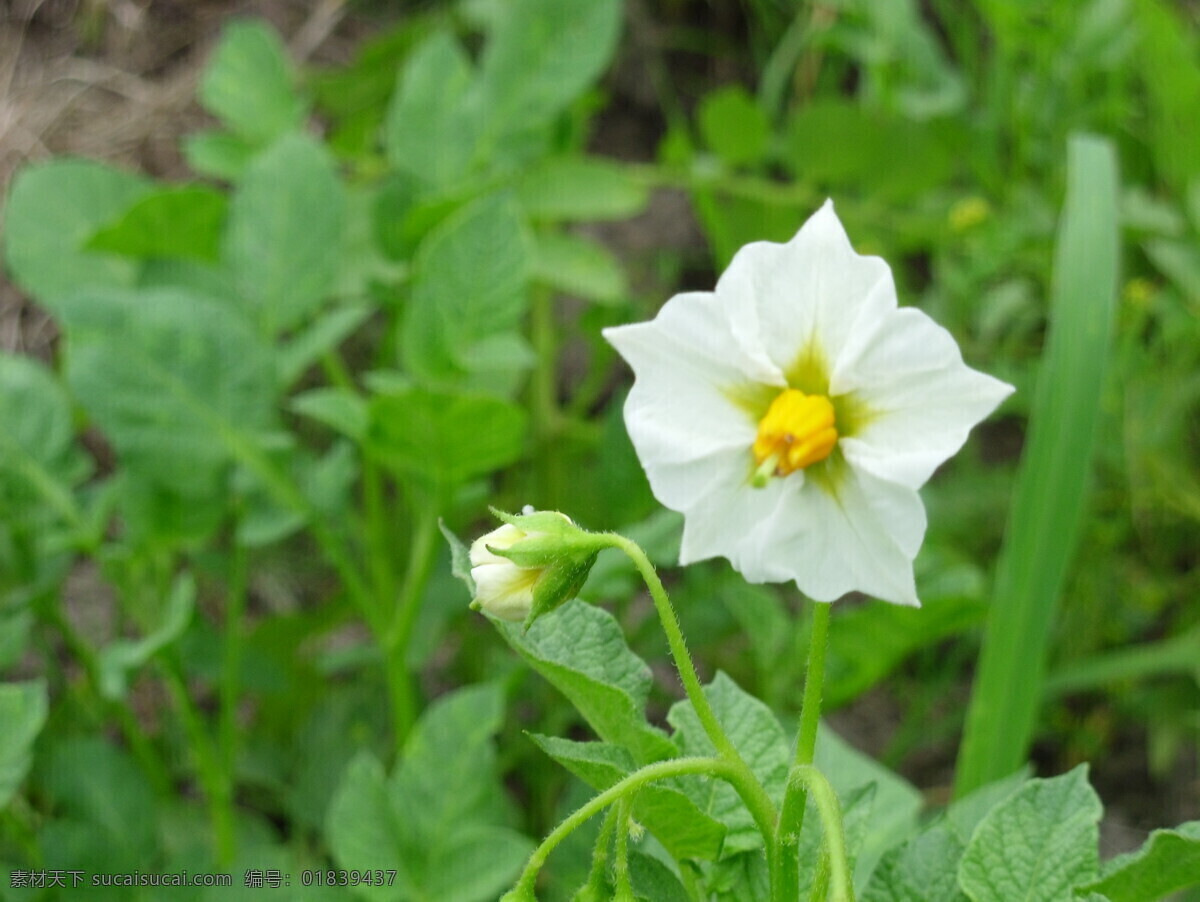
<point x="731" y="406"/>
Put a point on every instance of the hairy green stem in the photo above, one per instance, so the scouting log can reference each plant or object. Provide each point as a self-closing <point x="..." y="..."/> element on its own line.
<point x="660" y="770"/>
<point x="791" y="818"/>
<point x="622" y="883"/>
<point x="812" y="782"/>
<point x="761" y="808"/>
<point x="597" y="876"/>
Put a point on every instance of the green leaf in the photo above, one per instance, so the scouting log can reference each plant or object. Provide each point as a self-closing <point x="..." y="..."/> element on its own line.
<point x="444" y="439"/>
<point x="328" y="330"/>
<point x="178" y="383"/>
<point x="469" y="288"/>
<point x="217" y="154"/>
<point x="835" y="143"/>
<point x="924" y="869"/>
<point x="341" y="409"/>
<point x="108" y="809"/>
<point x="1166" y="62"/>
<point x="432" y="124"/>
<point x="653" y="881"/>
<point x="441" y="808"/>
<point x="1037" y="844"/>
<point x="733" y="126"/>
<point x="1180" y="262"/>
<point x="22" y="711"/>
<point x="574" y="188"/>
<point x="460" y="558"/>
<point x="542" y="54"/>
<point x="1050" y="496"/>
<point x="120" y="658"/>
<point x="248" y="84"/>
<point x="40" y="462"/>
<point x="182" y="222"/>
<point x="580" y="267"/>
<point x="580" y="650"/>
<point x="53" y="209"/>
<point x="1169" y="861"/>
<point x="15" y="627"/>
<point x="683" y="829"/>
<point x="324" y="480"/>
<point x="285" y="231"/>
<point x="756" y="734"/>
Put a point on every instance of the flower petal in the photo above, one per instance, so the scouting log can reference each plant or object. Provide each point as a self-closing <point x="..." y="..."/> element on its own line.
<point x="681" y="407"/>
<point x="923" y="399"/>
<point x="809" y="293"/>
<point x="719" y="517"/>
<point x="864" y="537"/>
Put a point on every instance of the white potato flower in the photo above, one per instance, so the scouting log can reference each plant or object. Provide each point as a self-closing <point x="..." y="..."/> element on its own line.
<point x="792" y="414"/>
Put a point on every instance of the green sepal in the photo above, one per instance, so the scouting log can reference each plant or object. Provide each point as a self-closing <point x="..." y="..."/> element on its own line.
<point x="558" y="585"/>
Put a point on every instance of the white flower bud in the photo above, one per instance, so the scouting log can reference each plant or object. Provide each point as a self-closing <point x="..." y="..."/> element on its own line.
<point x="532" y="564"/>
<point x="502" y="589"/>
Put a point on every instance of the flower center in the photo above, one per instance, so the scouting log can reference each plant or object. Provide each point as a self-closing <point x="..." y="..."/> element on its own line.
<point x="797" y="431"/>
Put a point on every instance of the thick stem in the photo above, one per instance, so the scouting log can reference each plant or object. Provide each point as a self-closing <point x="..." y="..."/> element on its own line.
<point x="791" y="818"/>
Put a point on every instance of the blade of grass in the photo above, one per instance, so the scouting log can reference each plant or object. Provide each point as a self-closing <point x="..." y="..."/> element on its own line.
<point x="1049" y="500"/>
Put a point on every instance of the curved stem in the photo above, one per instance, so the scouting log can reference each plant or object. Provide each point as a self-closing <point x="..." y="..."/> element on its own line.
<point x="791" y="818"/>
<point x="741" y="777"/>
<point x="810" y="780"/>
<point x="660" y="770"/>
<point x="679" y="652"/>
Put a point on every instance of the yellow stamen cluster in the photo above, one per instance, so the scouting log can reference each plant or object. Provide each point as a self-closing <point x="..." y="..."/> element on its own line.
<point x="797" y="431"/>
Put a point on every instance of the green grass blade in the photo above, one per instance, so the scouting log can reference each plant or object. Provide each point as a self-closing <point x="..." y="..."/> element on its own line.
<point x="1049" y="499"/>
